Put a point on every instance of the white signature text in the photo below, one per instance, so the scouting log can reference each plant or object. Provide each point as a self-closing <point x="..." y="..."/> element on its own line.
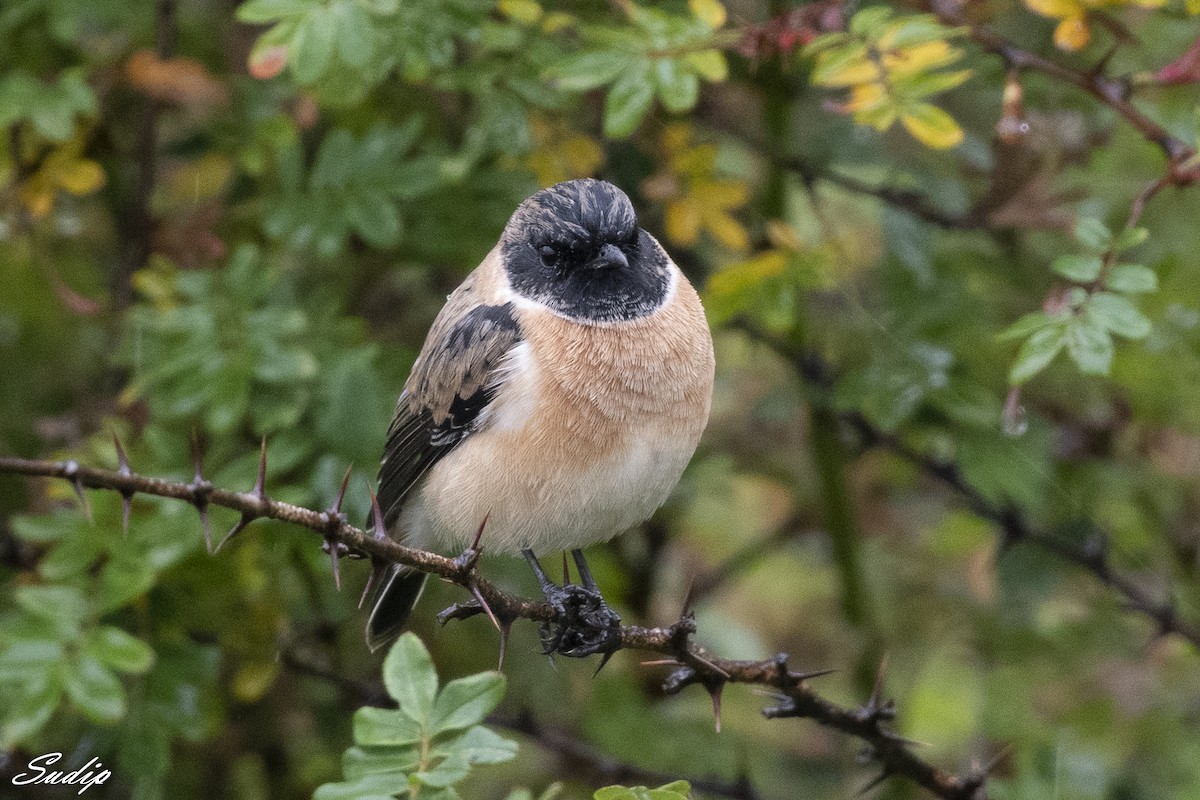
<point x="90" y="774"/>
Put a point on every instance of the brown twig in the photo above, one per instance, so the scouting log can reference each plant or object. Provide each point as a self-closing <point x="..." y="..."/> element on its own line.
<point x="1110" y="92"/>
<point x="694" y="665"/>
<point x="139" y="222"/>
<point x="1093" y="555"/>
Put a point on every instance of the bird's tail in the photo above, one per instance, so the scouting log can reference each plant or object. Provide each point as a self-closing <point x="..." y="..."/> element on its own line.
<point x="393" y="603"/>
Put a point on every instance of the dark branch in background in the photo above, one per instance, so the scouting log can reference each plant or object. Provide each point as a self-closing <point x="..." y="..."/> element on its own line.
<point x="1093" y="555"/>
<point x="690" y="662"/>
<point x="1108" y="91"/>
<point x="139" y="223"/>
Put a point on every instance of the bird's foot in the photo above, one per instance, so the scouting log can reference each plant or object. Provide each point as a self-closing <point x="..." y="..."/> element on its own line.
<point x="584" y="624"/>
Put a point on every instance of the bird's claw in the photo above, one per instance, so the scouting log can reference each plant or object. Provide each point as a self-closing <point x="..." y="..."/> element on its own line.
<point x="585" y="625"/>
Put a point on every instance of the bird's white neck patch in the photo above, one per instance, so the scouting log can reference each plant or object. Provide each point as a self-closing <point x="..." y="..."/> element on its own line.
<point x="506" y="294"/>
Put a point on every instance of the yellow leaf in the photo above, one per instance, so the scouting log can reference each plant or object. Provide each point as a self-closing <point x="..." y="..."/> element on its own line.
<point x="252" y="680"/>
<point x="37" y="196"/>
<point x="784" y="236"/>
<point x="557" y="21"/>
<point x="726" y="230"/>
<point x="1193" y="6"/>
<point x="865" y="97"/>
<point x="526" y="12"/>
<point x="1072" y="33"/>
<point x="722" y="194"/>
<point x="931" y="126"/>
<point x="80" y="177"/>
<point x="682" y="221"/>
<point x="852" y="72"/>
<point x="738" y="277"/>
<point x="1057" y="9"/>
<point x="711" y="64"/>
<point x="710" y="12"/>
<point x="921" y="58"/>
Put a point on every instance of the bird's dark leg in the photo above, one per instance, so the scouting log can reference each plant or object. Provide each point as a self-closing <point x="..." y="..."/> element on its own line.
<point x="585" y="625"/>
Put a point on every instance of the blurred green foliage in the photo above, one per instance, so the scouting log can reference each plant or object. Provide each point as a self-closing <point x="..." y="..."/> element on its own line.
<point x="241" y="225"/>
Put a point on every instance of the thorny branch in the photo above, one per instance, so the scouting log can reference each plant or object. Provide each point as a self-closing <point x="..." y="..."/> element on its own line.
<point x="1110" y="92"/>
<point x="690" y="662"/>
<point x="1093" y="555"/>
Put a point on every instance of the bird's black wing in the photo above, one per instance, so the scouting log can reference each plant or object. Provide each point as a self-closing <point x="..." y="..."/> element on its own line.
<point x="452" y="382"/>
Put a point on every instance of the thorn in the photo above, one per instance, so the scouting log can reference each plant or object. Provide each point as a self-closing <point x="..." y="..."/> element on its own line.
<point x="505" y="630"/>
<point x="333" y="554"/>
<point x="661" y="662"/>
<point x="240" y="526"/>
<point x="260" y="482"/>
<point x="378" y="569"/>
<point x="800" y="677"/>
<point x="709" y="665"/>
<point x="876" y="708"/>
<point x="484" y="604"/>
<point x="715" y="693"/>
<point x="200" y="489"/>
<point x="72" y="474"/>
<point x="566" y="573"/>
<point x="603" y="660"/>
<point x="126" y="494"/>
<point x="379" y="531"/>
<point x="687" y="610"/>
<point x="337" y="504"/>
<point x="479" y="534"/>
<point x="203" y="509"/>
<point x="197" y="456"/>
<point x="883" y="776"/>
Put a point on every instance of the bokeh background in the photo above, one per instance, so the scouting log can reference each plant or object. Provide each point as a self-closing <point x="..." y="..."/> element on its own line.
<point x="239" y="220"/>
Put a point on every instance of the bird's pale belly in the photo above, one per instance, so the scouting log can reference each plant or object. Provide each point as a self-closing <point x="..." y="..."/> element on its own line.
<point x="547" y="499"/>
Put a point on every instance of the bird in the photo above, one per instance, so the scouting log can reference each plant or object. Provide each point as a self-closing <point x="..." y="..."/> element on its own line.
<point x="558" y="397"/>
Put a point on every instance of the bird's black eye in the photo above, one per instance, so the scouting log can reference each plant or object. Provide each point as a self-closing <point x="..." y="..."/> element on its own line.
<point x="549" y="255"/>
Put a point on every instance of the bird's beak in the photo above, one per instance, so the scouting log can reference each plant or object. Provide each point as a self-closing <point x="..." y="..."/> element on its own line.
<point x="610" y="257"/>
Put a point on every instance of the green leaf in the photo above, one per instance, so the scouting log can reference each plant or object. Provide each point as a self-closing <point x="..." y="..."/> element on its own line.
<point x="369" y="787"/>
<point x="677" y="88"/>
<point x="22" y="659"/>
<point x="628" y="100"/>
<point x="374" y="216"/>
<point x="410" y="678"/>
<point x="1027" y="325"/>
<point x="360" y="762"/>
<point x="1132" y="279"/>
<point x="30" y="710"/>
<point x="1092" y="233"/>
<point x="95" y="690"/>
<point x="381" y="726"/>
<point x="1079" y="268"/>
<point x="119" y="650"/>
<point x="676" y="790"/>
<point x="334" y="160"/>
<point x="1038" y="351"/>
<point x="1116" y="313"/>
<point x="466" y="701"/>
<point x="481" y="745"/>
<point x="356" y="44"/>
<point x="312" y="46"/>
<point x="1089" y="346"/>
<point x="588" y="70"/>
<point x="64" y="605"/>
<point x="1130" y="238"/>
<point x="449" y="771"/>
<point x="257" y="12"/>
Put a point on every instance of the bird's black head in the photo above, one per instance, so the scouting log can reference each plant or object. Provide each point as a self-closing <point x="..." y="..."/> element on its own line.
<point x="577" y="249"/>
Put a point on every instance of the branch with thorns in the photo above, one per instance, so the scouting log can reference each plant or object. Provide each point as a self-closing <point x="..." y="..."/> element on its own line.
<point x="690" y="662"/>
<point x="1093" y="555"/>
